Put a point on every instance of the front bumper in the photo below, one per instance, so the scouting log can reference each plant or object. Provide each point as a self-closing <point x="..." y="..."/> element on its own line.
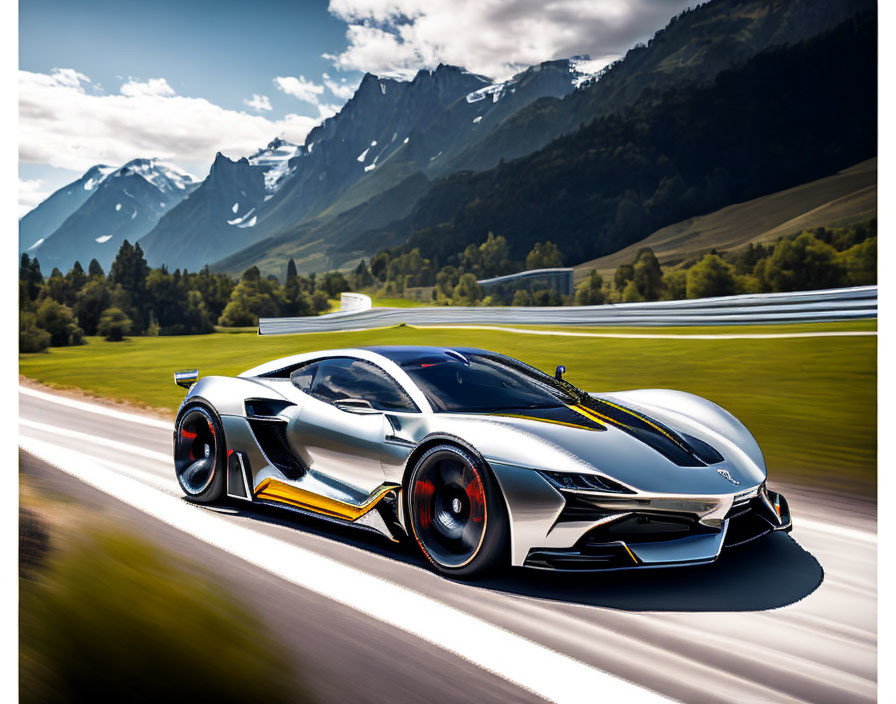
<point x="557" y="530"/>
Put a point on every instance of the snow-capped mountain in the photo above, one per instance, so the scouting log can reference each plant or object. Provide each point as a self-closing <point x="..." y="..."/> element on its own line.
<point x="42" y="221"/>
<point x="219" y="217"/>
<point x="168" y="178"/>
<point x="387" y="132"/>
<point x="123" y="204"/>
<point x="274" y="159"/>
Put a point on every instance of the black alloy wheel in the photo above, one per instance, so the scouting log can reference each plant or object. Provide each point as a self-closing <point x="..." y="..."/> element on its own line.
<point x="198" y="454"/>
<point x="456" y="512"/>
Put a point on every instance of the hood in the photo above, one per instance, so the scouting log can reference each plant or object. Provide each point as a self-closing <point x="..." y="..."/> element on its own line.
<point x="622" y="451"/>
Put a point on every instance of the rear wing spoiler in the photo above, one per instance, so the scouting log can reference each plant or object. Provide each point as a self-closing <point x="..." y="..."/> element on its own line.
<point x="185" y="379"/>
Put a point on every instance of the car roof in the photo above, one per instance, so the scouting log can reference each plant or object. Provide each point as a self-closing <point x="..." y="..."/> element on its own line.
<point x="404" y="354"/>
<point x="395" y="354"/>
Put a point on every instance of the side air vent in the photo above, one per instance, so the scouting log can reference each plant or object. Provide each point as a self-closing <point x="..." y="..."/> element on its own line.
<point x="265" y="407"/>
<point x="271" y="437"/>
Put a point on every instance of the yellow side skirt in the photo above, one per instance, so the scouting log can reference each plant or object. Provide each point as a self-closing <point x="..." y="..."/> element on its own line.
<point x="275" y="490"/>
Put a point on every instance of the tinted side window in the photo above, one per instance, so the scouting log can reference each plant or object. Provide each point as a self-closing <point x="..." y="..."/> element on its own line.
<point x="342" y="378"/>
<point x="303" y="377"/>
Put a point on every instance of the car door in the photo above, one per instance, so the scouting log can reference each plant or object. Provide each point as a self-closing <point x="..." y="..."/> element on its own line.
<point x="342" y="427"/>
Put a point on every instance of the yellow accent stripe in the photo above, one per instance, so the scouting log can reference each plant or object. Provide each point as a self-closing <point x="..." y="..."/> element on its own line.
<point x="631" y="554"/>
<point x="546" y="420"/>
<point x="640" y="417"/>
<point x="275" y="490"/>
<point x="593" y="415"/>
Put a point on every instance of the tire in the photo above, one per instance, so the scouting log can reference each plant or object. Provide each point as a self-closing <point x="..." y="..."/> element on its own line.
<point x="456" y="512"/>
<point x="199" y="454"/>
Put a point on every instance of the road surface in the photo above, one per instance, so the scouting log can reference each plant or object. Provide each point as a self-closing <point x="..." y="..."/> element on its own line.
<point x="787" y="619"/>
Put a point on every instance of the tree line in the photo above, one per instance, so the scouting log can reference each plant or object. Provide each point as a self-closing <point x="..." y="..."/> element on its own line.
<point x="819" y="258"/>
<point x="814" y="259"/>
<point x="397" y="273"/>
<point x="133" y="299"/>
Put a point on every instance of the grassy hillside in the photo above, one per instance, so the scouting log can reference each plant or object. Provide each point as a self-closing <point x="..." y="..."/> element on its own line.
<point x="847" y="197"/>
<point x="811" y="402"/>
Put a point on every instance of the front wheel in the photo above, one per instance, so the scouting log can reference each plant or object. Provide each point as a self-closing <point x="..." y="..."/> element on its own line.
<point x="456" y="512"/>
<point x="199" y="454"/>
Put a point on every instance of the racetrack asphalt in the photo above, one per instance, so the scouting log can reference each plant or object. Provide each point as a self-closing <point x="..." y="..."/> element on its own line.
<point x="788" y="618"/>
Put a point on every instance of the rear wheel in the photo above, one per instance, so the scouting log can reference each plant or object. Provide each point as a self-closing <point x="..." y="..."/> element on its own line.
<point x="456" y="512"/>
<point x="199" y="454"/>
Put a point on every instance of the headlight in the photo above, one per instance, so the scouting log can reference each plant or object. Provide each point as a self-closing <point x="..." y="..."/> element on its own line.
<point x="584" y="482"/>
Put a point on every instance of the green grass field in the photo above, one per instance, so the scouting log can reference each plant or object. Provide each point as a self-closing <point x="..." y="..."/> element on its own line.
<point x="810" y="402"/>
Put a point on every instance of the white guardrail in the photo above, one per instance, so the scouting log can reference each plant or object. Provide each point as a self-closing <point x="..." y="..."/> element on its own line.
<point x="855" y="303"/>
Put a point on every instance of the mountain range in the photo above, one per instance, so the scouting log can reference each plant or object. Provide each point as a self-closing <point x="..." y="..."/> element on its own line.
<point x="121" y="204"/>
<point x="369" y="176"/>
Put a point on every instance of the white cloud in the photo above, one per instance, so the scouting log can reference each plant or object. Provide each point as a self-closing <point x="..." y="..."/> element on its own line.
<point x="340" y="89"/>
<point x="300" y="88"/>
<point x="259" y="102"/>
<point x="65" y="122"/>
<point x="326" y="110"/>
<point x="31" y="193"/>
<point x="154" y="86"/>
<point x="68" y="77"/>
<point x="493" y="37"/>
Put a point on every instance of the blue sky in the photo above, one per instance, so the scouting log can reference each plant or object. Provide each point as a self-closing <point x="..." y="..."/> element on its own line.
<point x="221" y="50"/>
<point x="105" y="81"/>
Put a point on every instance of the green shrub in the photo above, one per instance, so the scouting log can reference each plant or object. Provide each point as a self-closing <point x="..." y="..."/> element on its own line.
<point x="648" y="275"/>
<point x="801" y="264"/>
<point x="57" y="319"/>
<point x="631" y="294"/>
<point x="860" y="262"/>
<point x="31" y="337"/>
<point x="320" y="302"/>
<point x="467" y="291"/>
<point x="711" y="276"/>
<point x="114" y="325"/>
<point x="675" y="285"/>
<point x="522" y="297"/>
<point x="546" y="297"/>
<point x="591" y="291"/>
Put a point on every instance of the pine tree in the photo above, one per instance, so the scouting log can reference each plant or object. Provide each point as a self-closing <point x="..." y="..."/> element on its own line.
<point x="95" y="270"/>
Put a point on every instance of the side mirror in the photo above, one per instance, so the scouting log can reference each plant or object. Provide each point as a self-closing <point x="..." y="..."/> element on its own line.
<point x="559" y="372"/>
<point x="355" y="405"/>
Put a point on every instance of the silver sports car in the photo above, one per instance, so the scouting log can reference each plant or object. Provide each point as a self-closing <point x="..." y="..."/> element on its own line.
<point x="478" y="458"/>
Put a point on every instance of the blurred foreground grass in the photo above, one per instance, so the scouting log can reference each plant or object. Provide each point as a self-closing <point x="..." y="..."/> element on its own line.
<point x="811" y="402"/>
<point x="105" y="616"/>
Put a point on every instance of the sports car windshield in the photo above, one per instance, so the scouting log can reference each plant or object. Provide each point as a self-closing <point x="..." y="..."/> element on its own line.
<point x="478" y="383"/>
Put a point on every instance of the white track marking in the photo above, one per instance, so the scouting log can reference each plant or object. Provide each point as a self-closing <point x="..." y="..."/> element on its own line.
<point x="534" y="667"/>
<point x="652" y="336"/>
<point x="839" y="531"/>
<point x="97" y="440"/>
<point x="96" y="408"/>
<point x="168" y="485"/>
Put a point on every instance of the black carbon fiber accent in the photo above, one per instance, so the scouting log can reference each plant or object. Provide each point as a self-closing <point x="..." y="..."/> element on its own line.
<point x="271" y="437"/>
<point x="645" y="528"/>
<point x="235" y="484"/>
